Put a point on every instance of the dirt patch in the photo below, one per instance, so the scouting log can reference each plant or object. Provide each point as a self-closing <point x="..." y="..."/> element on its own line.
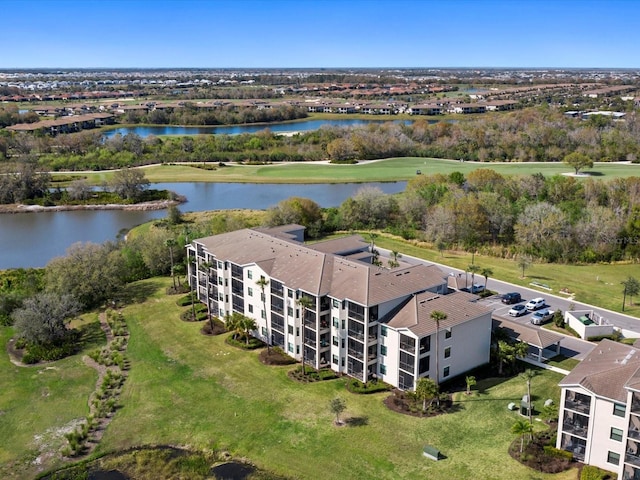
<point x="534" y="456"/>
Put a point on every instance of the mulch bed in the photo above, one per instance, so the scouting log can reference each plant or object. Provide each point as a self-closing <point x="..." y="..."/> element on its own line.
<point x="275" y="358"/>
<point x="400" y="402"/>
<point x="534" y="456"/>
<point x="218" y="328"/>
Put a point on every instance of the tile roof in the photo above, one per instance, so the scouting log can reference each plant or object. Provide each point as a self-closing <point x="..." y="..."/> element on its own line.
<point x="538" y="337"/>
<point x="415" y="315"/>
<point x="607" y="370"/>
<point x="320" y="273"/>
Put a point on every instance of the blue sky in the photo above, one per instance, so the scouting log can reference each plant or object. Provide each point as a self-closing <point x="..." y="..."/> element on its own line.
<point x="319" y="33"/>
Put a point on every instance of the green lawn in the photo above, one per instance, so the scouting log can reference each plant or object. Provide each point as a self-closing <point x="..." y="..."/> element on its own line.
<point x="188" y="389"/>
<point x="393" y="169"/>
<point x="37" y="402"/>
<point x="596" y="284"/>
<point x="185" y="388"/>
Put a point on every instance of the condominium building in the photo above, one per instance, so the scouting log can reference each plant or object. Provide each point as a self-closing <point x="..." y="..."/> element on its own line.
<point x="599" y="418"/>
<point x="329" y="302"/>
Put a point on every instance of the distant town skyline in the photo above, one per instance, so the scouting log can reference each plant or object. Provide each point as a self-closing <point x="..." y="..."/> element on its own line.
<point x="319" y="33"/>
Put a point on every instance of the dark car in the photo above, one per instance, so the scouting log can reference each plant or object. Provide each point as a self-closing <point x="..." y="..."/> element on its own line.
<point x="511" y="298"/>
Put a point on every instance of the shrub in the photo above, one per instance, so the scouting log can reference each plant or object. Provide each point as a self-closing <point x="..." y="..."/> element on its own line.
<point x="556" y="452"/>
<point x="590" y="472"/>
<point x="374" y="386"/>
<point x="186" y="300"/>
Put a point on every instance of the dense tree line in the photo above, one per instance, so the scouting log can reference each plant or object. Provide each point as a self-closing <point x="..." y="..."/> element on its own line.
<point x="191" y="114"/>
<point x="522" y="136"/>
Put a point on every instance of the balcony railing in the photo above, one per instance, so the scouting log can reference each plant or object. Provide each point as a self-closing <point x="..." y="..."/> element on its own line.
<point x="632" y="459"/>
<point x="356" y="354"/>
<point x="634" y="433"/>
<point x="577" y="430"/>
<point x="577" y="406"/>
<point x="358" y="335"/>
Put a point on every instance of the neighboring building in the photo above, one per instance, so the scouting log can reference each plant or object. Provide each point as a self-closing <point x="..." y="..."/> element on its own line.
<point x="599" y="418"/>
<point x="588" y="323"/>
<point x="365" y="321"/>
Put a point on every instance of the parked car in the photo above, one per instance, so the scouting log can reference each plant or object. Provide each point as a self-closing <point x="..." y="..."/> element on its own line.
<point x="541" y="316"/>
<point x="511" y="298"/>
<point x="517" y="310"/>
<point x="535" y="304"/>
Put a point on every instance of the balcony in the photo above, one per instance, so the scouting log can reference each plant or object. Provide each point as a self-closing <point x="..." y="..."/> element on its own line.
<point x="630" y="473"/>
<point x="310" y="323"/>
<point x="577" y="430"/>
<point x="634" y="433"/>
<point x="356" y="354"/>
<point x="632" y="459"/>
<point x="577" y="406"/>
<point x="355" y="334"/>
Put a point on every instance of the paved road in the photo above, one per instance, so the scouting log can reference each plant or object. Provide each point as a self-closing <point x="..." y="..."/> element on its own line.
<point x="570" y="346"/>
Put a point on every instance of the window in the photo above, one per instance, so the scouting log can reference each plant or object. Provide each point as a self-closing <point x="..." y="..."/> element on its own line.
<point x="249" y="274"/>
<point x="383" y="369"/>
<point x="342" y="362"/>
<point x="250" y="308"/>
<point x="290" y="293"/>
<point x="290" y="347"/>
<point x="297" y="331"/>
<point x="290" y="329"/>
<point x="342" y="343"/>
<point x="290" y="311"/>
<point x="334" y="360"/>
<point x="220" y="281"/>
<point x="447" y="352"/>
<point x="613" y="458"/>
<point x="250" y="291"/>
<point x="383" y="330"/>
<point x="425" y="344"/>
<point x="445" y="372"/>
<point x="264" y="331"/>
<point x="616" y="434"/>
<point x="336" y="322"/>
<point x="297" y="349"/>
<point x="335" y="341"/>
<point x="423" y="365"/>
<point x="336" y="303"/>
<point x="619" y="409"/>
<point x="383" y="350"/>
<point x="342" y="325"/>
<point x="447" y="333"/>
<point x="263" y="314"/>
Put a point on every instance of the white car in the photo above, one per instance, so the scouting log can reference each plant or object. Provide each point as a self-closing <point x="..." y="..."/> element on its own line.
<point x="535" y="304"/>
<point x="517" y="310"/>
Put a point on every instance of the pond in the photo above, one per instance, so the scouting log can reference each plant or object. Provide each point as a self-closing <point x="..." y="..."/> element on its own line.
<point x="33" y="239"/>
<point x="280" y="127"/>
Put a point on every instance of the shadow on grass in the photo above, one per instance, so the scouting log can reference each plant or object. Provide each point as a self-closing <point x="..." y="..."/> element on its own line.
<point x="357" y="421"/>
<point x="138" y="292"/>
<point x="91" y="335"/>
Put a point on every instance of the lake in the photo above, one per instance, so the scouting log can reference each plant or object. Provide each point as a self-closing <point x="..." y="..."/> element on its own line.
<point x="300" y="126"/>
<point x="33" y="239"/>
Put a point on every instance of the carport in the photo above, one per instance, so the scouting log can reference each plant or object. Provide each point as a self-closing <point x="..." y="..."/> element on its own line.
<point x="535" y="337"/>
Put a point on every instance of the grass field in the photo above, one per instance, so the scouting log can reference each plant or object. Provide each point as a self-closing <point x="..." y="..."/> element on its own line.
<point x="389" y="170"/>
<point x="38" y="403"/>
<point x="188" y="389"/>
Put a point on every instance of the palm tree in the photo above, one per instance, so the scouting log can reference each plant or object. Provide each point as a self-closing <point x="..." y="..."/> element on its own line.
<point x="170" y="243"/>
<point x="247" y="324"/>
<point x="521" y="428"/>
<point x="262" y="283"/>
<point x="426" y="390"/>
<point x="438" y="316"/>
<point x="393" y="261"/>
<point x="305" y="303"/>
<point x="504" y="354"/>
<point x="486" y="273"/>
<point x="527" y="376"/>
<point x="232" y="322"/>
<point x="473" y="268"/>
